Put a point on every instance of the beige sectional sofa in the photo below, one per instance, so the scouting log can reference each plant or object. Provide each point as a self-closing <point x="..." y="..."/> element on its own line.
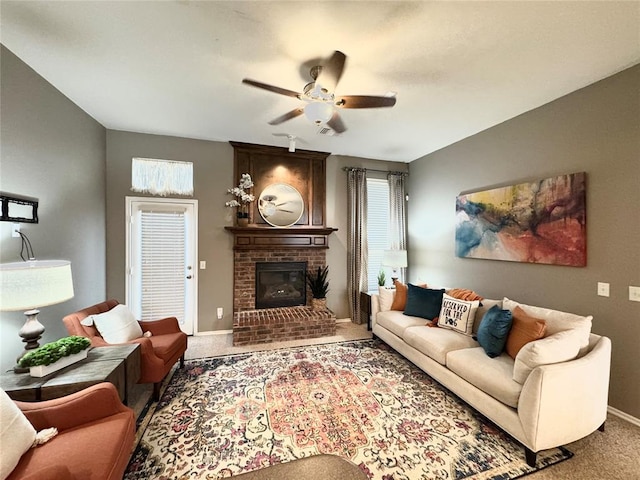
<point x="543" y="398"/>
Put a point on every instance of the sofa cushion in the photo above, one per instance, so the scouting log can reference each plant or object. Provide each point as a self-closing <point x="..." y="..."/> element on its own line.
<point x="16" y="434"/>
<point x="484" y="307"/>
<point x="396" y="322"/>
<point x="117" y="325"/>
<point x="437" y="342"/>
<point x="463" y="294"/>
<point x="385" y="298"/>
<point x="423" y="302"/>
<point x="524" y="329"/>
<point x="556" y="348"/>
<point x="557" y="320"/>
<point x="491" y="375"/>
<point x="458" y="315"/>
<point x="493" y="330"/>
<point x="400" y="298"/>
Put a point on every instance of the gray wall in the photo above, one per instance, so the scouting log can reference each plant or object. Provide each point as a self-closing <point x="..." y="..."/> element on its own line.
<point x="51" y="150"/>
<point x="213" y="173"/>
<point x="596" y="130"/>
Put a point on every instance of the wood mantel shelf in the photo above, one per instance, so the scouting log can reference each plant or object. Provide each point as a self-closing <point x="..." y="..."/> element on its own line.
<point x="262" y="237"/>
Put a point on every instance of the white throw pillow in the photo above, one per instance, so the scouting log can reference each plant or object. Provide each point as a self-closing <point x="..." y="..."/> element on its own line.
<point x="385" y="298"/>
<point x="556" y="320"/>
<point x="16" y="434"/>
<point x="559" y="347"/>
<point x="458" y="314"/>
<point x="118" y="325"/>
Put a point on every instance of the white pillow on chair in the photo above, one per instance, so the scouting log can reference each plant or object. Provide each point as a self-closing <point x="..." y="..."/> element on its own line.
<point x="16" y="434"/>
<point x="118" y="325"/>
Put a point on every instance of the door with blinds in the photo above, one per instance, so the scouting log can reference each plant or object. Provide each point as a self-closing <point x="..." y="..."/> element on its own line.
<point x="161" y="260"/>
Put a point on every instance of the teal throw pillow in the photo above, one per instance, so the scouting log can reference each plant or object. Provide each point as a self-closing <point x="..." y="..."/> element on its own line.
<point x="423" y="302"/>
<point x="494" y="329"/>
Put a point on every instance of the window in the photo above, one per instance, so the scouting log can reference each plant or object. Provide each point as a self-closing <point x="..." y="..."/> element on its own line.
<point x="378" y="227"/>
<point x="161" y="177"/>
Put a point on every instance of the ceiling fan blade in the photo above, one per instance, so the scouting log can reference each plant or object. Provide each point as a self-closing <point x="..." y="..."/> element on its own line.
<point x="332" y="71"/>
<point x="271" y="88"/>
<point x="335" y="122"/>
<point x="287" y="116"/>
<point x="364" y="101"/>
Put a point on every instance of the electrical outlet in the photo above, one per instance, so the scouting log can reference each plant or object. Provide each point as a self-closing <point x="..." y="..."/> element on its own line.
<point x="15" y="229"/>
<point x="634" y="293"/>
<point x="220" y="313"/>
<point x="603" y="289"/>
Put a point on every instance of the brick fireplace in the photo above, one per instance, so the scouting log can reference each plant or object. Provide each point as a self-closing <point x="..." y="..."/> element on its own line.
<point x="251" y="325"/>
<point x="304" y="242"/>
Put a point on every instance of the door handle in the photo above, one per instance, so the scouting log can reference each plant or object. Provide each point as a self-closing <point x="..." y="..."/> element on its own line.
<point x="189" y="277"/>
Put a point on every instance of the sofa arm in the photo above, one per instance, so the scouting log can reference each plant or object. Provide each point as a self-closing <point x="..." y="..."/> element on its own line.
<point x="88" y="405"/>
<point x="563" y="402"/>
<point x="161" y="327"/>
<point x="375" y="307"/>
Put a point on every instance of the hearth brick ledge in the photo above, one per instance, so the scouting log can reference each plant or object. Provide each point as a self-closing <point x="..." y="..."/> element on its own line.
<point x="284" y="323"/>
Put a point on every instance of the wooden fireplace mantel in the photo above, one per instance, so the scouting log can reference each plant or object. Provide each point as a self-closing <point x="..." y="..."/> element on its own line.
<point x="255" y="237"/>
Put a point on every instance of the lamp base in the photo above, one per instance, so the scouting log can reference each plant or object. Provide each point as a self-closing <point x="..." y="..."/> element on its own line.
<point x="30" y="332"/>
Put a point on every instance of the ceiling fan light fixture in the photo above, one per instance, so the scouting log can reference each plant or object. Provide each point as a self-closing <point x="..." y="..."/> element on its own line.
<point x="319" y="112"/>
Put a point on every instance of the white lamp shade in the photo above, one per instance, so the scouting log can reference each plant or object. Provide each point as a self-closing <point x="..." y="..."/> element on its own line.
<point x="319" y="112"/>
<point x="33" y="284"/>
<point x="394" y="258"/>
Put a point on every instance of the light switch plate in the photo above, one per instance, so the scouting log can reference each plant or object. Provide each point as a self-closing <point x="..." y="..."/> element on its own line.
<point x="220" y="313"/>
<point x="203" y="264"/>
<point x="634" y="293"/>
<point x="603" y="289"/>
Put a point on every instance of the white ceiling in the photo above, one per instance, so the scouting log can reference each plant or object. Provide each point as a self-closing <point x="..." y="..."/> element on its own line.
<point x="175" y="67"/>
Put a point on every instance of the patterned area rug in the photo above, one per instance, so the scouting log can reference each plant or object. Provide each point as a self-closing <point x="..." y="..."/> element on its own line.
<point x="223" y="416"/>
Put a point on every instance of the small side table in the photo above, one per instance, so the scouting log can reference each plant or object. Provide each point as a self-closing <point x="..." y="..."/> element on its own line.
<point x="365" y="308"/>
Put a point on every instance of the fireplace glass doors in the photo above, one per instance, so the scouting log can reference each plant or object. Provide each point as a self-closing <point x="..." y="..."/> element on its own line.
<point x="280" y="284"/>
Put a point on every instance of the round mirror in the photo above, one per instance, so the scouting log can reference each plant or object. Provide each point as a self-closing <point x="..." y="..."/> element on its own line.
<point x="280" y="205"/>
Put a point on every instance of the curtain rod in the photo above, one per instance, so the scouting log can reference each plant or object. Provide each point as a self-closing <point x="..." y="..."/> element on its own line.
<point x="346" y="169"/>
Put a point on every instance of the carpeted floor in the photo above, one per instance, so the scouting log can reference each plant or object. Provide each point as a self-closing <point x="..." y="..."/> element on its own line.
<point x="360" y="400"/>
<point x="612" y="454"/>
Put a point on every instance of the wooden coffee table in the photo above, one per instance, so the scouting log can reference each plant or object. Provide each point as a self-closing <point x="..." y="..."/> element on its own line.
<point x="118" y="364"/>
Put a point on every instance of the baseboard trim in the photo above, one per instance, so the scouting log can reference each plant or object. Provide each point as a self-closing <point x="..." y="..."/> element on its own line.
<point x="624" y="416"/>
<point x="343" y="320"/>
<point x="213" y="332"/>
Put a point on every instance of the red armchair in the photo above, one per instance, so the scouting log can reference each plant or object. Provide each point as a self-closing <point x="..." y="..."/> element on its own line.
<point x="94" y="442"/>
<point x="159" y="352"/>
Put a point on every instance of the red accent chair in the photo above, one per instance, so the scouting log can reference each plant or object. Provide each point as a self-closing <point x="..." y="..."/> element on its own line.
<point x="94" y="442"/>
<point x="159" y="352"/>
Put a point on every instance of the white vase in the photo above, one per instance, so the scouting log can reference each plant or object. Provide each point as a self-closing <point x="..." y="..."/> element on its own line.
<point x="44" y="370"/>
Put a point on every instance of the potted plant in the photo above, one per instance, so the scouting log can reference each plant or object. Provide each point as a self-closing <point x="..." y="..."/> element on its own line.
<point x="53" y="356"/>
<point x="382" y="278"/>
<point x="243" y="197"/>
<point x="319" y="286"/>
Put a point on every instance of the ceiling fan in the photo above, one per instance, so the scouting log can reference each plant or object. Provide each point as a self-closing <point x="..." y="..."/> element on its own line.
<point x="321" y="102"/>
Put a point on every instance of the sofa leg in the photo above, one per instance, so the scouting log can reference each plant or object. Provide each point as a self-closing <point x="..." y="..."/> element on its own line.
<point x="601" y="427"/>
<point x="156" y="391"/>
<point x="182" y="361"/>
<point x="530" y="456"/>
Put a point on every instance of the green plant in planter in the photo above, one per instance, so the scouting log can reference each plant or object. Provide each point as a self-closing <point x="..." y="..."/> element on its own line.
<point x="382" y="278"/>
<point x="318" y="283"/>
<point x="52" y="352"/>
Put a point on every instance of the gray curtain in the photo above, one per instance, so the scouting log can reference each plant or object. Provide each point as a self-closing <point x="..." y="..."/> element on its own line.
<point x="357" y="239"/>
<point x="398" y="222"/>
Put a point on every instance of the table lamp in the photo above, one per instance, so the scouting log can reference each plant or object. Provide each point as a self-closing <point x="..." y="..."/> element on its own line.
<point x="31" y="284"/>
<point x="395" y="259"/>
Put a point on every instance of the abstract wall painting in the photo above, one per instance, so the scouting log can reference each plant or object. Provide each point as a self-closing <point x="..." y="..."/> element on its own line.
<point x="538" y="222"/>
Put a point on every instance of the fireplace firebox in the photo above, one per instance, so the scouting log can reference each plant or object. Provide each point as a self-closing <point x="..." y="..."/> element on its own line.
<point x="280" y="284"/>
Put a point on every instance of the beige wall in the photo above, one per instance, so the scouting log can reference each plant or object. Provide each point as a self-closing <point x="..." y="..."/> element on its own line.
<point x="213" y="172"/>
<point x="596" y="130"/>
<point x="50" y="149"/>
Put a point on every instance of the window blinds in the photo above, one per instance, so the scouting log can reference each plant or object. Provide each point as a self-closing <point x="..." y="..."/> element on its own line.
<point x="378" y="227"/>
<point x="163" y="265"/>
